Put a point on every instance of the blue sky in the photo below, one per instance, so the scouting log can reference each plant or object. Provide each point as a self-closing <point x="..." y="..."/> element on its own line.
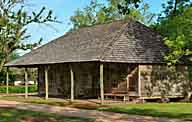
<point x="63" y="9"/>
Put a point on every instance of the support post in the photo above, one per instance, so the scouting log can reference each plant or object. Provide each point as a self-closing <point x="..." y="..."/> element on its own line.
<point x="72" y="83"/>
<point x="7" y="81"/>
<point x="139" y="81"/>
<point x="101" y="84"/>
<point x="26" y="83"/>
<point x="46" y="83"/>
<point x="128" y="86"/>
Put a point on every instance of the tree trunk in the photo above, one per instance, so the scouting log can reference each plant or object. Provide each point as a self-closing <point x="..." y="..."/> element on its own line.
<point x="2" y="63"/>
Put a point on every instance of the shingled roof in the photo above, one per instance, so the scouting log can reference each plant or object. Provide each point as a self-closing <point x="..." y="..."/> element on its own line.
<point x="119" y="41"/>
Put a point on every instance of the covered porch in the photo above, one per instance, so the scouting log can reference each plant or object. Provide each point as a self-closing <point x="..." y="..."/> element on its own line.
<point x="87" y="80"/>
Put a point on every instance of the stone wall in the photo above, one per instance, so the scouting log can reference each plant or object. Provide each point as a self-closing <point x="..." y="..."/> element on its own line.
<point x="158" y="79"/>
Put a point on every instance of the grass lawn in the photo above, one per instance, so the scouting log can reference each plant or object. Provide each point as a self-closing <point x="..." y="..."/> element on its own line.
<point x="171" y="110"/>
<point x="13" y="115"/>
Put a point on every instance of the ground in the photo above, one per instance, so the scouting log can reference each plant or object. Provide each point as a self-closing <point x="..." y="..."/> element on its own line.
<point x="94" y="115"/>
<point x="14" y="115"/>
<point x="82" y="104"/>
<point x="170" y="110"/>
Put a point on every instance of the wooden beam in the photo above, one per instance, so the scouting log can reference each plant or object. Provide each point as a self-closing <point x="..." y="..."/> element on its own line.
<point x="26" y="83"/>
<point x="72" y="83"/>
<point x="46" y="83"/>
<point x="101" y="84"/>
<point x="7" y="81"/>
<point x="139" y="81"/>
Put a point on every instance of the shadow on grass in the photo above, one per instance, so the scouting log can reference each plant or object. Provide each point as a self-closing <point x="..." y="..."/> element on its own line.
<point x="63" y="103"/>
<point x="14" y="115"/>
<point x="149" y="112"/>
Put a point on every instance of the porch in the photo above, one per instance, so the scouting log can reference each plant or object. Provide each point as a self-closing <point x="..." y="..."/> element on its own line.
<point x="127" y="89"/>
<point x="115" y="81"/>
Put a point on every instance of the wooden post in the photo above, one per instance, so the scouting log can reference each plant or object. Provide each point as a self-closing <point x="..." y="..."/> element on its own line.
<point x="101" y="84"/>
<point x="72" y="83"/>
<point x="26" y="83"/>
<point x="7" y="81"/>
<point x="46" y="83"/>
<point x="127" y="87"/>
<point x="139" y="82"/>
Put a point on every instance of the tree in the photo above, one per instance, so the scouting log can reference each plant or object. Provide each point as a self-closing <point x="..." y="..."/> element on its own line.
<point x="12" y="73"/>
<point x="125" y="6"/>
<point x="175" y="25"/>
<point x="14" y="21"/>
<point x="180" y="44"/>
<point x="174" y="7"/>
<point x="99" y="13"/>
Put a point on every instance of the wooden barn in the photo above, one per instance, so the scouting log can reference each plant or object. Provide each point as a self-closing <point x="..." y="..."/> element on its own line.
<point x="123" y="59"/>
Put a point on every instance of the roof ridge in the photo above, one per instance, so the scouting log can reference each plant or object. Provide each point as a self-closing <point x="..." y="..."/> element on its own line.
<point x="101" y="24"/>
<point x="122" y="29"/>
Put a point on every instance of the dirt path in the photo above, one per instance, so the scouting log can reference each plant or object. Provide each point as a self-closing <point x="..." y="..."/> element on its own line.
<point x="93" y="114"/>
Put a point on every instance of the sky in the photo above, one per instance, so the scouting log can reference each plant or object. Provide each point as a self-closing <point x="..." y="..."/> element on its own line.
<point x="63" y="9"/>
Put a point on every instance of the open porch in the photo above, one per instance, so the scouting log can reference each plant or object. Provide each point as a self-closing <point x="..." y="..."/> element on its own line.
<point x="87" y="80"/>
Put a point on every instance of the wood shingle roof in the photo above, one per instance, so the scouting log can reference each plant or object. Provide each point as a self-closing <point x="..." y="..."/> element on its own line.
<point x="119" y="41"/>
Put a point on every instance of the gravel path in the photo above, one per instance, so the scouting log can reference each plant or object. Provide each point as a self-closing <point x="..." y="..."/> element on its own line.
<point x="98" y="116"/>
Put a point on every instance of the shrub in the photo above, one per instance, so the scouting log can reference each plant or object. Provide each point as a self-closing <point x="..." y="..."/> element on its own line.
<point x="19" y="89"/>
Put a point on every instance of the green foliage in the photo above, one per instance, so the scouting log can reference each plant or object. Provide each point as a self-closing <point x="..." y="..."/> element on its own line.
<point x="14" y="21"/>
<point x="177" y="47"/>
<point x="178" y="33"/>
<point x="175" y="24"/>
<point x="12" y="77"/>
<point x="124" y="6"/>
<point x="190" y="72"/>
<point x="99" y="13"/>
<point x="18" y="89"/>
<point x="174" y="7"/>
<point x="12" y="74"/>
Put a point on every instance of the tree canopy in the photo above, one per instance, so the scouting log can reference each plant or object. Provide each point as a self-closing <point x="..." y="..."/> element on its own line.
<point x="14" y="20"/>
<point x="175" y="25"/>
<point x="99" y="13"/>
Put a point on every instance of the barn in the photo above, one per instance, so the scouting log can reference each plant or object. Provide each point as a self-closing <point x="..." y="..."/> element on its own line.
<point x="123" y="59"/>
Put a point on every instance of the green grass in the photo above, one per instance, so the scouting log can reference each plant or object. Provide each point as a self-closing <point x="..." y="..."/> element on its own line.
<point x="13" y="115"/>
<point x="171" y="110"/>
<point x="19" y="89"/>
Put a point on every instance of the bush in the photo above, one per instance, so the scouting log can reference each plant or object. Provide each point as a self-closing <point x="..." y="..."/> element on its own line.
<point x="18" y="89"/>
